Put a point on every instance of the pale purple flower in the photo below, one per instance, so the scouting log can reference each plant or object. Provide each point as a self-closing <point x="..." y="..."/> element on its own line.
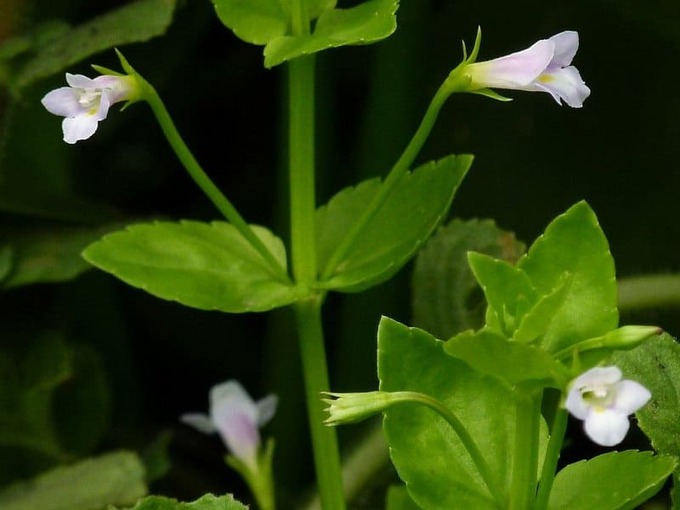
<point x="604" y="401"/>
<point x="544" y="67"/>
<point x="237" y="418"/>
<point x="86" y="101"/>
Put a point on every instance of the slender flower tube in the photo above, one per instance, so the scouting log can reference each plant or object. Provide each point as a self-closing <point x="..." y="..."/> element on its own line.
<point x="603" y="400"/>
<point x="237" y="418"/>
<point x="543" y="67"/>
<point x="86" y="101"/>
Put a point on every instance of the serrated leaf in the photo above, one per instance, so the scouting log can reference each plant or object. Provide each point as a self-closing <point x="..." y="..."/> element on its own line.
<point x="427" y="454"/>
<point x="539" y="318"/>
<point x="112" y="479"/>
<point x="574" y="244"/>
<point x="206" y="266"/>
<point x="411" y="212"/>
<point x="136" y="22"/>
<point x="446" y="297"/>
<point x="656" y="365"/>
<point x="508" y="290"/>
<point x="513" y="362"/>
<point x="206" y="502"/>
<point x="398" y="499"/>
<point x="254" y="21"/>
<point x="366" y="23"/>
<point x="613" y="481"/>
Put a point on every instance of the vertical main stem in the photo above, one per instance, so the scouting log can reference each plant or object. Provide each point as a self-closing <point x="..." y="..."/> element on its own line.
<point x="525" y="458"/>
<point x="552" y="456"/>
<point x="324" y="439"/>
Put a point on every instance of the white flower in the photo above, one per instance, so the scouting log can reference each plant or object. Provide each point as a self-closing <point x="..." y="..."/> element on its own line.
<point x="237" y="418"/>
<point x="86" y="101"/>
<point x="544" y="67"/>
<point x="604" y="401"/>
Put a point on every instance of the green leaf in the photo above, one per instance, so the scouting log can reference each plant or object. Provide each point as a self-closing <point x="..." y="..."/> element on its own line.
<point x="539" y="318"/>
<point x="513" y="362"/>
<point x="366" y="23"/>
<point x="205" y="266"/>
<point x="136" y="22"/>
<point x="254" y="21"/>
<point x="613" y="481"/>
<point x="446" y="297"/>
<point x="206" y="502"/>
<point x="656" y="365"/>
<point x="508" y="290"/>
<point x="427" y="454"/>
<point x="45" y="255"/>
<point x="398" y="499"/>
<point x="407" y="218"/>
<point x="574" y="244"/>
<point x="112" y="479"/>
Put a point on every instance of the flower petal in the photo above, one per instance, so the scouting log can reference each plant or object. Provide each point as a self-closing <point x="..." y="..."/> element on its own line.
<point x="630" y="396"/>
<point x="80" y="127"/>
<point x="199" y="421"/>
<point x="576" y="405"/>
<point x="598" y="376"/>
<point x="238" y="430"/>
<point x="566" y="46"/>
<point x="62" y="101"/>
<point x="565" y="84"/>
<point x="80" y="81"/>
<point x="266" y="409"/>
<point x="606" y="427"/>
<point x="515" y="70"/>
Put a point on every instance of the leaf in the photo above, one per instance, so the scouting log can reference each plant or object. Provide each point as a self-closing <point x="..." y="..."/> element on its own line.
<point x="508" y="290"/>
<point x="46" y="255"/>
<point x="366" y="23"/>
<point x="398" y="499"/>
<point x="427" y="454"/>
<point x="613" y="481"/>
<point x="136" y="22"/>
<point x="656" y="365"/>
<point x="513" y="362"/>
<point x="574" y="244"/>
<point x="407" y="218"/>
<point x="446" y="297"/>
<point x="205" y="266"/>
<point x="206" y="502"/>
<point x="115" y="478"/>
<point x="537" y="320"/>
<point x="254" y="21"/>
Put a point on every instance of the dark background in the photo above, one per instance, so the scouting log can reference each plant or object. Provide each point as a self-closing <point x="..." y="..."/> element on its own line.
<point x="533" y="160"/>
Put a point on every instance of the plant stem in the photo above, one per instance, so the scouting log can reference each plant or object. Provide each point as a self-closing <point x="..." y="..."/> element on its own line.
<point x="199" y="176"/>
<point x="324" y="439"/>
<point x="398" y="171"/>
<point x="551" y="457"/>
<point x="649" y="291"/>
<point x="525" y="458"/>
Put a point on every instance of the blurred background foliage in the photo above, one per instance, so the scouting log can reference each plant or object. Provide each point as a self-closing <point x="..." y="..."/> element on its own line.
<point x="88" y="364"/>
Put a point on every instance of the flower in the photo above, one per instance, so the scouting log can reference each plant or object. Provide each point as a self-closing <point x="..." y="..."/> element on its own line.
<point x="543" y="67"/>
<point x="237" y="418"/>
<point x="86" y="101"/>
<point x="604" y="401"/>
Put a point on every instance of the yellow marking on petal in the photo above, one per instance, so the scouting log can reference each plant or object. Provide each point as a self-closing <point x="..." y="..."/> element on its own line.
<point x="546" y="78"/>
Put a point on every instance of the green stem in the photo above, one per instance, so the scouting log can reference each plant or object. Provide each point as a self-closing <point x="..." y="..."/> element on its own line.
<point x="301" y="168"/>
<point x="204" y="183"/>
<point x="324" y="439"/>
<point x="525" y="459"/>
<point x="649" y="291"/>
<point x="398" y="171"/>
<point x="459" y="429"/>
<point x="551" y="457"/>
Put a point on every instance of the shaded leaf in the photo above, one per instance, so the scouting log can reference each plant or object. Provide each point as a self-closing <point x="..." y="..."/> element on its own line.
<point x="207" y="502"/>
<point x="206" y="266"/>
<point x="407" y="218"/>
<point x="613" y="481"/>
<point x="115" y="478"/>
<point x="398" y="499"/>
<point x="254" y="21"/>
<point x="446" y="297"/>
